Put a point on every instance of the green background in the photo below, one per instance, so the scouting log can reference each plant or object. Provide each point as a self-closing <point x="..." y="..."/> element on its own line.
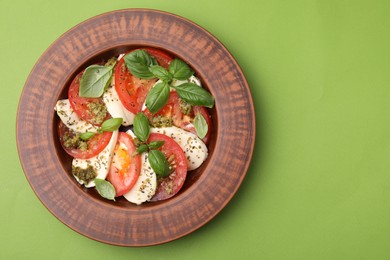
<point x="318" y="186"/>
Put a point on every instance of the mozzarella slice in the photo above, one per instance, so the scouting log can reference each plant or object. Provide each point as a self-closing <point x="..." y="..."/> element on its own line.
<point x="194" y="148"/>
<point x="115" y="107"/>
<point x="71" y="119"/>
<point x="146" y="185"/>
<point x="100" y="163"/>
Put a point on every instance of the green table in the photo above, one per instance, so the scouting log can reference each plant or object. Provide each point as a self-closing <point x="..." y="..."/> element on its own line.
<point x="319" y="183"/>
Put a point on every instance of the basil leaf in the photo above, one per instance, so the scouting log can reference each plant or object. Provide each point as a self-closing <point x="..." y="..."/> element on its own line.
<point x="142" y="148"/>
<point x="195" y="95"/>
<point x="95" y="80"/>
<point x="87" y="135"/>
<point x="141" y="127"/>
<point x="105" y="189"/>
<point x="112" y="124"/>
<point x="180" y="70"/>
<point x="161" y="73"/>
<point x="200" y="125"/>
<point x="159" y="163"/>
<point x="138" y="63"/>
<point x="157" y="97"/>
<point x="156" y="144"/>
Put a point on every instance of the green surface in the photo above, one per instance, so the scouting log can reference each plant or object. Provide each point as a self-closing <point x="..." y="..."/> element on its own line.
<point x="319" y="184"/>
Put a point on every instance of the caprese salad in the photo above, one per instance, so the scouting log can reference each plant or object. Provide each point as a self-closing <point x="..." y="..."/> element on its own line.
<point x="136" y="125"/>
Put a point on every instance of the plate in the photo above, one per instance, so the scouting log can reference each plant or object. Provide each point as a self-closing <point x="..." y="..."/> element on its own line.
<point x="206" y="191"/>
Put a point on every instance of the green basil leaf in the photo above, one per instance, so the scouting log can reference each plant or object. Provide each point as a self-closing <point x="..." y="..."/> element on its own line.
<point x="138" y="63"/>
<point x="87" y="135"/>
<point x="112" y="124"/>
<point x="156" y="144"/>
<point x="142" y="148"/>
<point x="141" y="127"/>
<point x="159" y="163"/>
<point x="95" y="80"/>
<point x="195" y="95"/>
<point x="157" y="97"/>
<point x="105" y="189"/>
<point x="180" y="70"/>
<point x="161" y="73"/>
<point x="200" y="125"/>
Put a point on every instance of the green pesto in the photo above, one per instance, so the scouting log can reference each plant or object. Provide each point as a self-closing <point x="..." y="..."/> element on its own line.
<point x="185" y="107"/>
<point x="161" y="121"/>
<point x="169" y="187"/>
<point x="98" y="111"/>
<point x="110" y="62"/>
<point x="85" y="175"/>
<point x="74" y="142"/>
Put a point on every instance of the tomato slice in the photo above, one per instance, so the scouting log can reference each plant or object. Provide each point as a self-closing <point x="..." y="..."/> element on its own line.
<point x="93" y="146"/>
<point x="132" y="91"/>
<point x="173" y="111"/>
<point x="169" y="186"/>
<point x="162" y="57"/>
<point x="92" y="110"/>
<point x="126" y="166"/>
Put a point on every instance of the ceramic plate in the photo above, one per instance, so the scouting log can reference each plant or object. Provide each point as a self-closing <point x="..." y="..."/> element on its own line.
<point x="206" y="191"/>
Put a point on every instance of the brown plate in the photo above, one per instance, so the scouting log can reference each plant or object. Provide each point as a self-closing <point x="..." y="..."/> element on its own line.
<point x="206" y="191"/>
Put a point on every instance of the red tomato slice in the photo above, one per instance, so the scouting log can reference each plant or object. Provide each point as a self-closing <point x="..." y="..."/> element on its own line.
<point x="131" y="90"/>
<point x="169" y="186"/>
<point x="172" y="110"/>
<point x="162" y="57"/>
<point x="94" y="145"/>
<point x="83" y="106"/>
<point x="125" y="167"/>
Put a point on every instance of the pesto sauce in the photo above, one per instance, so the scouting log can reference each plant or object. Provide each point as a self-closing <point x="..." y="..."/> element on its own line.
<point x="85" y="175"/>
<point x="98" y="112"/>
<point x="185" y="107"/>
<point x="169" y="187"/>
<point x="74" y="142"/>
<point x="161" y="121"/>
<point x="110" y="62"/>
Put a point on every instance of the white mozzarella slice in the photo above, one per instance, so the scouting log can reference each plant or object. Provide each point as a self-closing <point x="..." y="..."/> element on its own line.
<point x="115" y="107"/>
<point x="194" y="148"/>
<point x="146" y="185"/>
<point x="100" y="163"/>
<point x="71" y="119"/>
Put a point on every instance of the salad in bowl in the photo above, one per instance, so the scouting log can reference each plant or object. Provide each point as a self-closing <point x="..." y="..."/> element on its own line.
<point x="135" y="125"/>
